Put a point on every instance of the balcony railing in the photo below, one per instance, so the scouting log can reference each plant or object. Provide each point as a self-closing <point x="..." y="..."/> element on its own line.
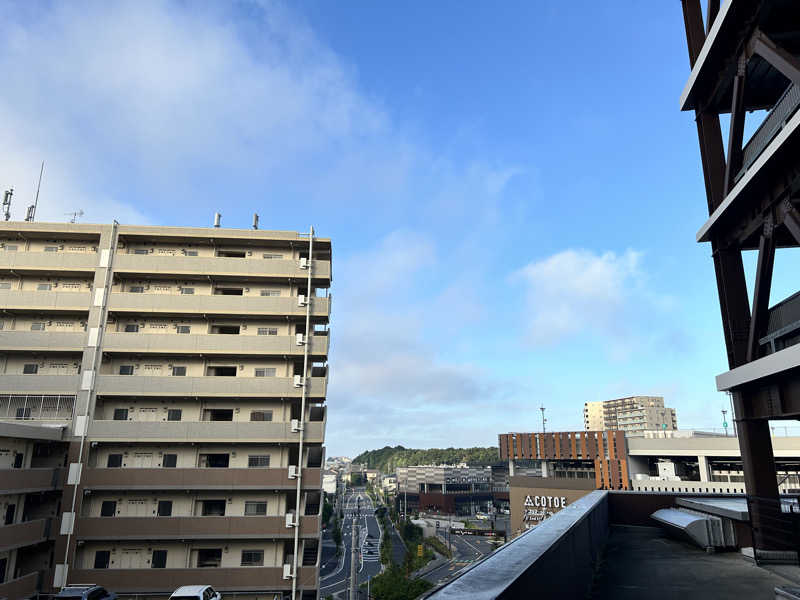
<point x="39" y="384"/>
<point x="207" y="431"/>
<point x="25" y="481"/>
<point x="63" y="262"/>
<point x="769" y="128"/>
<point x="36" y="407"/>
<point x="194" y="266"/>
<point x="66" y="301"/>
<point x="21" y="587"/>
<point x="198" y="479"/>
<point x="214" y="305"/>
<point x="212" y="344"/>
<point x="192" y="528"/>
<point x="250" y="387"/>
<point x="42" y="341"/>
<point x="24" y="534"/>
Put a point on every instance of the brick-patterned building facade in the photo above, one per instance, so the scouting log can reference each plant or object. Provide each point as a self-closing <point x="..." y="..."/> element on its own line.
<point x="605" y="449"/>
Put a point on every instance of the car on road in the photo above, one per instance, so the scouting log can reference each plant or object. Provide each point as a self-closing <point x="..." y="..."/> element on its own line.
<point x="195" y="592"/>
<point x="86" y="591"/>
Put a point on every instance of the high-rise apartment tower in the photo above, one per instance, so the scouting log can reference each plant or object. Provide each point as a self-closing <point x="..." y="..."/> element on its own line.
<point x="633" y="415"/>
<point x="188" y="367"/>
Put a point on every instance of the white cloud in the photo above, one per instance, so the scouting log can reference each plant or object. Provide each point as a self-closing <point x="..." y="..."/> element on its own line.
<point x="577" y="290"/>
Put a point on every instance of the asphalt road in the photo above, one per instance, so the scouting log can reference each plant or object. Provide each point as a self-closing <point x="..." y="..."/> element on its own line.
<point x="335" y="574"/>
<point x="466" y="549"/>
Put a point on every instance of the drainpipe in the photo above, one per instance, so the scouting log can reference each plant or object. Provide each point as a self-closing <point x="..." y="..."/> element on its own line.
<point x="302" y="415"/>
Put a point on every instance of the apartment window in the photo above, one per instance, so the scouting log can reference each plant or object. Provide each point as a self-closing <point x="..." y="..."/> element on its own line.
<point x="266" y="372"/>
<point x="184" y="328"/>
<point x="261" y="415"/>
<point x="170" y="461"/>
<point x="164" y="508"/>
<point x="212" y="508"/>
<point x="11" y="247"/>
<point x="38" y="326"/>
<point x="229" y="292"/>
<point x="23" y="413"/>
<point x="114" y="460"/>
<point x="209" y="557"/>
<point x="256" y="508"/>
<point x="252" y="558"/>
<point x="258" y="460"/>
<point x="174" y="414"/>
<point x="159" y="560"/>
<point x="120" y="414"/>
<point x="30" y="369"/>
<point x="187" y="291"/>
<point x="231" y="253"/>
<point x="101" y="559"/>
<point x="190" y="252"/>
<point x="136" y="289"/>
<point x="108" y="508"/>
<point x="226" y="329"/>
<point x="221" y="371"/>
<point x="272" y="256"/>
<point x="267" y="331"/>
<point x="5" y="285"/>
<point x="214" y="461"/>
<point x="126" y="369"/>
<point x="44" y="287"/>
<point x="179" y="371"/>
<point x="141" y="251"/>
<point x="270" y="292"/>
<point x="131" y="328"/>
<point x="51" y="248"/>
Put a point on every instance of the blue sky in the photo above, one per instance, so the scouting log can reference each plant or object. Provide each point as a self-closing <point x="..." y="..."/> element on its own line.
<point x="510" y="188"/>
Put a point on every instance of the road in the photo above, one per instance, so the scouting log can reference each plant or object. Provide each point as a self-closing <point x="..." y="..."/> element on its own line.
<point x="335" y="573"/>
<point x="466" y="549"/>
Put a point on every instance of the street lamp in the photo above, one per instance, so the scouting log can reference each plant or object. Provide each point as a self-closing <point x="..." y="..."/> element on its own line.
<point x="725" y="421"/>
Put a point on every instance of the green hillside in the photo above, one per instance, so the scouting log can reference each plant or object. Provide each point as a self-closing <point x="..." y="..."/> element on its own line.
<point x="387" y="459"/>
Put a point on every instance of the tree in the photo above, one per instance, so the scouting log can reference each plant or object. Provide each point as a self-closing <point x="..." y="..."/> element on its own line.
<point x="392" y="584"/>
<point x="327" y="511"/>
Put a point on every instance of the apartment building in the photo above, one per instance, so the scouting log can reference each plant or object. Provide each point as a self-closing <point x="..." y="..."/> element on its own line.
<point x="633" y="415"/>
<point x="188" y="367"/>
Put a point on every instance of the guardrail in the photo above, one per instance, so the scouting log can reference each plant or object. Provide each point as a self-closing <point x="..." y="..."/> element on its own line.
<point x="36" y="407"/>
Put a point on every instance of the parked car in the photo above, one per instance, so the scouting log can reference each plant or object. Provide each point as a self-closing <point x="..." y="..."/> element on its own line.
<point x="86" y="591"/>
<point x="195" y="592"/>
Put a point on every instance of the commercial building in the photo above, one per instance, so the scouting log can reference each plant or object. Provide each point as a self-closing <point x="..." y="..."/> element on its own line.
<point x="188" y="367"/>
<point x="633" y="415"/>
<point x="453" y="489"/>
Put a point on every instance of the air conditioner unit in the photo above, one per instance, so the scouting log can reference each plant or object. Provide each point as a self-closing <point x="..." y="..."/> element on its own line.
<point x="290" y="522"/>
<point x="287" y="570"/>
<point x="292" y="472"/>
<point x="295" y="423"/>
<point x="304" y="263"/>
<point x="300" y="338"/>
<point x="301" y="300"/>
<point x="298" y="381"/>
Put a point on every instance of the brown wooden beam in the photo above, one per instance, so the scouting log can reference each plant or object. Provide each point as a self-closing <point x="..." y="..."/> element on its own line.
<point x="695" y="32"/>
<point x="736" y="129"/>
<point x="760" y="313"/>
<point x="733" y="301"/>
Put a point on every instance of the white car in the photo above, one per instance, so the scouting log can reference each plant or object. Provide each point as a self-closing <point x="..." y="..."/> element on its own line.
<point x="195" y="592"/>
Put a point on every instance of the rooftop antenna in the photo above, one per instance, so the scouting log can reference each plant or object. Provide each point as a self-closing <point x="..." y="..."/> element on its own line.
<point x="217" y="218"/>
<point x="32" y="208"/>
<point x="255" y="220"/>
<point x="75" y="215"/>
<point x="7" y="203"/>
<point x="544" y="429"/>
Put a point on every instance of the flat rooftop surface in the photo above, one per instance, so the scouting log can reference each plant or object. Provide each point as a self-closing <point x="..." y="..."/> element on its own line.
<point x="642" y="562"/>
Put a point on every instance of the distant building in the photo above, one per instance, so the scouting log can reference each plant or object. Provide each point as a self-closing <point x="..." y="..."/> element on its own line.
<point x="389" y="483"/>
<point x="452" y="489"/>
<point x="371" y="475"/>
<point x="633" y="415"/>
<point x="330" y="480"/>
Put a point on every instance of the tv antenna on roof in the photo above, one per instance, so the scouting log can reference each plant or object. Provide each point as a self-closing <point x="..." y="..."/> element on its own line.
<point x="31" y="213"/>
<point x="7" y="203"/>
<point x="75" y="215"/>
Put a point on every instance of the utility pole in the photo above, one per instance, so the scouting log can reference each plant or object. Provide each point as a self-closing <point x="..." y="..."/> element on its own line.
<point x="544" y="429"/>
<point x="354" y="560"/>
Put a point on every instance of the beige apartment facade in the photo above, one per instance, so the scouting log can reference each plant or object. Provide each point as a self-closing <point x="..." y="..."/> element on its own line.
<point x="188" y="368"/>
<point x="633" y="415"/>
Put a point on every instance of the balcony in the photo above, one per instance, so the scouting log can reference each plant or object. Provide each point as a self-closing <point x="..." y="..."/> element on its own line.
<point x="240" y="345"/>
<point x="212" y="305"/>
<point x="39" y="384"/>
<point x="19" y="301"/>
<point x="21" y="587"/>
<point x="233" y="387"/>
<point x="194" y="266"/>
<point x="63" y="262"/>
<point x="164" y="581"/>
<point x="42" y="341"/>
<point x="206" y="431"/>
<point x="24" y="534"/>
<point x="192" y="528"/>
<point x="198" y="479"/>
<point x="25" y="481"/>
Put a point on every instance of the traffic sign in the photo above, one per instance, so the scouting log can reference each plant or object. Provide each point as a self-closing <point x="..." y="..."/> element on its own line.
<point x="419" y="549"/>
<point x="725" y="424"/>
